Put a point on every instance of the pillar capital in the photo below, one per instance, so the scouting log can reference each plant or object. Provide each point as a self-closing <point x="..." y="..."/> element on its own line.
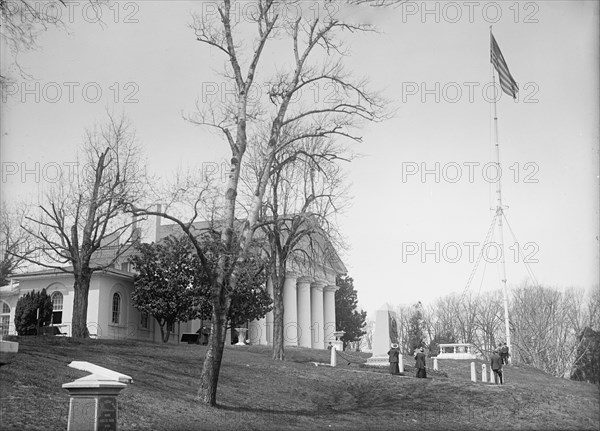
<point x="317" y="285"/>
<point x="291" y="274"/>
<point x="304" y="279"/>
<point x="331" y="288"/>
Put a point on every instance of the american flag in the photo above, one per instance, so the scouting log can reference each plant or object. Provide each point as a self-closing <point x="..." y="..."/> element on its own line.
<point x="507" y="82"/>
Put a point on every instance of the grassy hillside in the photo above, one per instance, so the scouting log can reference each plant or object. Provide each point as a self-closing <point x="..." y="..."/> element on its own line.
<point x="257" y="393"/>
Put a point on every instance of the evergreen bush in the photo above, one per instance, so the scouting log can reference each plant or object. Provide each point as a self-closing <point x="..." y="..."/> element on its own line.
<point x="27" y="320"/>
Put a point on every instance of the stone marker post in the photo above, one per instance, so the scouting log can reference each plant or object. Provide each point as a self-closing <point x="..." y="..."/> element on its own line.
<point x="333" y="356"/>
<point x="492" y="378"/>
<point x="435" y="364"/>
<point x="400" y="363"/>
<point x="473" y="373"/>
<point x="93" y="399"/>
<point x="483" y="373"/>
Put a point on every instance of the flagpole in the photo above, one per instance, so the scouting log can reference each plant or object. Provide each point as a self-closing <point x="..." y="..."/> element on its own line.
<point x="500" y="212"/>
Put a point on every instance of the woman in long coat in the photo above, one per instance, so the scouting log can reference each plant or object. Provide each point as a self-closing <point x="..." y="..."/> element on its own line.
<point x="394" y="354"/>
<point x="420" y="363"/>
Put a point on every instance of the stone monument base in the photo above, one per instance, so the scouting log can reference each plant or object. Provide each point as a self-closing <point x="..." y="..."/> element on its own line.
<point x="8" y="351"/>
<point x="9" y="346"/>
<point x="378" y="361"/>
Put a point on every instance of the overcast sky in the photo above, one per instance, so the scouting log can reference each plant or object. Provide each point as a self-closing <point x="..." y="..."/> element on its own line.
<point x="422" y="188"/>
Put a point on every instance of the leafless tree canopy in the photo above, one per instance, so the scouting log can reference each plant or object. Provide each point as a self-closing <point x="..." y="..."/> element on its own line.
<point x="23" y="21"/>
<point x="15" y="243"/>
<point x="298" y="219"/>
<point x="81" y="218"/>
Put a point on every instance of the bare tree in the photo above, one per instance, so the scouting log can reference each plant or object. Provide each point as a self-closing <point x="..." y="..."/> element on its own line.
<point x="489" y="321"/>
<point x="404" y="313"/>
<point x="465" y="310"/>
<point x="593" y="308"/>
<point x="305" y="193"/>
<point x="282" y="123"/>
<point x="15" y="243"/>
<point x="23" y="21"/>
<point x="546" y="322"/>
<point x="81" y="229"/>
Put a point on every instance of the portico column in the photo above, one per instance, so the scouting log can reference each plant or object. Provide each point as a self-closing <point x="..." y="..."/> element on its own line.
<point x="304" y="333"/>
<point x="329" y="312"/>
<point x="317" y="316"/>
<point x="290" y="314"/>
<point x="268" y="329"/>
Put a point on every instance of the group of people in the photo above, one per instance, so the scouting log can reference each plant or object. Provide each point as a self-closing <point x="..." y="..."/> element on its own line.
<point x="394" y="358"/>
<point x="497" y="360"/>
<point x="499" y="357"/>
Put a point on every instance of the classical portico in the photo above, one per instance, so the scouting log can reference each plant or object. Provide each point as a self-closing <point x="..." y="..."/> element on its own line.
<point x="309" y="313"/>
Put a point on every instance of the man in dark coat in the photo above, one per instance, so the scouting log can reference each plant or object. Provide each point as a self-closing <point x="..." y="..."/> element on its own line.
<point x="394" y="356"/>
<point x="504" y="354"/>
<point x="496" y="364"/>
<point x="420" y="363"/>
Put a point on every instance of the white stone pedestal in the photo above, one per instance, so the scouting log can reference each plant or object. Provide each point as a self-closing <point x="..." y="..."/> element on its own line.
<point x="93" y="399"/>
<point x="9" y="346"/>
<point x="241" y="336"/>
<point x="93" y="405"/>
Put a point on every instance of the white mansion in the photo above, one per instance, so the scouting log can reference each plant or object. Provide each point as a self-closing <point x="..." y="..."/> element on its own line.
<point x="308" y="294"/>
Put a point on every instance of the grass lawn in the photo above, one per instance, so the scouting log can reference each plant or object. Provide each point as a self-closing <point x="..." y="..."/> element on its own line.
<point x="258" y="393"/>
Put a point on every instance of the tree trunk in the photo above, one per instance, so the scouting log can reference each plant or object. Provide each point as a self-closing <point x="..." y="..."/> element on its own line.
<point x="209" y="377"/>
<point x="80" y="305"/>
<point x="278" y="345"/>
<point x="164" y="334"/>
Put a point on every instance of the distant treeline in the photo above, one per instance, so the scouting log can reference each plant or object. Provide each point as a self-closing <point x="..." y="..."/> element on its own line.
<point x="554" y="330"/>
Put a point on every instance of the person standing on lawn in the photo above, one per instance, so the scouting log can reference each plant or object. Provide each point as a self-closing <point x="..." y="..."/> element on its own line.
<point x="420" y="363"/>
<point x="504" y="354"/>
<point x="496" y="364"/>
<point x="394" y="356"/>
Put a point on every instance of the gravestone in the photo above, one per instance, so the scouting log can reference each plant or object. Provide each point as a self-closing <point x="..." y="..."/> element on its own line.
<point x="93" y="399"/>
<point x="483" y="373"/>
<point x="386" y="333"/>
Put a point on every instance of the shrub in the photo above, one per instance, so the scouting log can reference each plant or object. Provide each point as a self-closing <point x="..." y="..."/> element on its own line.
<point x="27" y="320"/>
